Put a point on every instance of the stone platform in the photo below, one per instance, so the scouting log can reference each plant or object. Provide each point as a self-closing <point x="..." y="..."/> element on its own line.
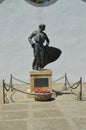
<point x="62" y="113"/>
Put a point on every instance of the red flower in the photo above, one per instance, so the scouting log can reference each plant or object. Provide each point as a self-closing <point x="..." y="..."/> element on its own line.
<point x="42" y="91"/>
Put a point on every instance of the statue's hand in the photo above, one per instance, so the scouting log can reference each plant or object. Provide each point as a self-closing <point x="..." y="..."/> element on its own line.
<point x="33" y="45"/>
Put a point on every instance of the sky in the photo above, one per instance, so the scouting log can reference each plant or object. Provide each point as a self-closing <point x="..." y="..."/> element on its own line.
<point x="65" y="22"/>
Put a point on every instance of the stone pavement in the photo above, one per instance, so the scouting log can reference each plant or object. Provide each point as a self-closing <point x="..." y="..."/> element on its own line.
<point x="62" y="113"/>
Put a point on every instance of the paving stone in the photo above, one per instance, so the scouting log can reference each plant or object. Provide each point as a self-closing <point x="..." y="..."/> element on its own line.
<point x="44" y="105"/>
<point x="7" y="107"/>
<point x="73" y="108"/>
<point x="82" y="109"/>
<point x="47" y="113"/>
<point x="80" y="122"/>
<point x="51" y="124"/>
<point x="13" y="125"/>
<point x="63" y="113"/>
<point x="13" y="115"/>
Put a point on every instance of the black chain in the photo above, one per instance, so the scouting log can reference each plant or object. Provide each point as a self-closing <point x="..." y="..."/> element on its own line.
<point x="20" y="80"/>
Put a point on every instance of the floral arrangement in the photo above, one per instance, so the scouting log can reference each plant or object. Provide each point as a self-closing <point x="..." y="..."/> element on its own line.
<point x="42" y="95"/>
<point x="42" y="91"/>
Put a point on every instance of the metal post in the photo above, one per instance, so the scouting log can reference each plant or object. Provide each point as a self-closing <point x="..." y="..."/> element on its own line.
<point x="3" y="92"/>
<point x="11" y="85"/>
<point x="81" y="88"/>
<point x="65" y="81"/>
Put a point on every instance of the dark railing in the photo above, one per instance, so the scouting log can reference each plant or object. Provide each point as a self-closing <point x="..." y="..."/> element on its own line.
<point x="6" y="88"/>
<point x="10" y="87"/>
<point x="68" y="86"/>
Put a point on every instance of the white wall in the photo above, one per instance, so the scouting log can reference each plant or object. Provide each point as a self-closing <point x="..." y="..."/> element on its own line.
<point x="66" y="28"/>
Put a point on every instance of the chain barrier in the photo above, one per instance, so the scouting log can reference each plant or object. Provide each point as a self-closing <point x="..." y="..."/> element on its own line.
<point x="59" y="79"/>
<point x="11" y="97"/>
<point x="5" y="98"/>
<point x="18" y="90"/>
<point x="72" y="86"/>
<point x="77" y="84"/>
<point x="7" y="87"/>
<point x="68" y="86"/>
<point x="23" y="91"/>
<point x="19" y="80"/>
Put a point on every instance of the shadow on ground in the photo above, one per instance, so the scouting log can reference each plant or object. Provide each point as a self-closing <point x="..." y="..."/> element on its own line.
<point x="60" y="93"/>
<point x="51" y="99"/>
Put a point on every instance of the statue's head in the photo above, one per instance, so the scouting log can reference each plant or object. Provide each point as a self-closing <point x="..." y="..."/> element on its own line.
<point x="42" y="27"/>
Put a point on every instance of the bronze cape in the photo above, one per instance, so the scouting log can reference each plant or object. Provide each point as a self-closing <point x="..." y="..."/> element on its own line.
<point x="50" y="55"/>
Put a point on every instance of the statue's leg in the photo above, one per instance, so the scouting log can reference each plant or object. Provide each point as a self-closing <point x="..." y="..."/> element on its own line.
<point x="33" y="64"/>
<point x="35" y="61"/>
<point x="35" y="58"/>
<point x="41" y="58"/>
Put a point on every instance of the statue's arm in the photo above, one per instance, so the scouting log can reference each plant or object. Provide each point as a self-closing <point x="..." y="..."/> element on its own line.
<point x="47" y="40"/>
<point x="30" y="38"/>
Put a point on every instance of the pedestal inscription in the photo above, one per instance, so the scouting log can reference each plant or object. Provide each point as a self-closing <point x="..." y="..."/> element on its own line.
<point x="41" y="82"/>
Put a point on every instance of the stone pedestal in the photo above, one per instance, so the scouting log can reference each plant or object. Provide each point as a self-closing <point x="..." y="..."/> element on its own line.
<point x="40" y="79"/>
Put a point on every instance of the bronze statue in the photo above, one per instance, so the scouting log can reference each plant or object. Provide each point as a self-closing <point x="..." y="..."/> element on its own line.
<point x="43" y="54"/>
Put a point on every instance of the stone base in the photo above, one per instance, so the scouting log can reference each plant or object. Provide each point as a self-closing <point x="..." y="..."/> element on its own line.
<point x="53" y="94"/>
<point x="28" y="95"/>
<point x="43" y="96"/>
<point x="40" y="80"/>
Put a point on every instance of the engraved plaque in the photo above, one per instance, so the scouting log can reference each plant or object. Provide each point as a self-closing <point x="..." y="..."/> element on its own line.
<point x="41" y="82"/>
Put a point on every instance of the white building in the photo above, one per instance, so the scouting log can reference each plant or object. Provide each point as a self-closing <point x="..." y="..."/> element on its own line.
<point x="65" y="26"/>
